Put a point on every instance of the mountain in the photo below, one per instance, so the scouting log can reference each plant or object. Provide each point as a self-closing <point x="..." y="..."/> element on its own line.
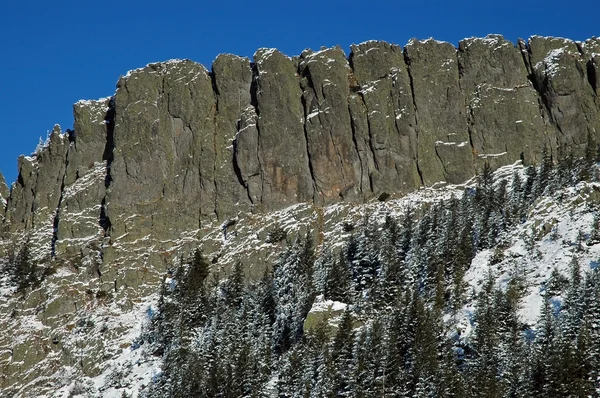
<point x="241" y="159"/>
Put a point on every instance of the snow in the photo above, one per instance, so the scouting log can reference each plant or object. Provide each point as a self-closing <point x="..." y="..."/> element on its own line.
<point x="131" y="367"/>
<point x="491" y="155"/>
<point x="426" y="41"/>
<point x="322" y="305"/>
<point x="100" y="102"/>
<point x="130" y="371"/>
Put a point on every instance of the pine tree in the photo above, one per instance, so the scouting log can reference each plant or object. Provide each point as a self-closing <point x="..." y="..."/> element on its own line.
<point x="342" y="355"/>
<point x="485" y="364"/>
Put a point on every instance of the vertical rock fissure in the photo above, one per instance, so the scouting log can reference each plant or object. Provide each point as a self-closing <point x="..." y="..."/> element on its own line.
<point x="56" y="220"/>
<point x="369" y="128"/>
<point x="308" y="156"/>
<point x="254" y="89"/>
<point x="353" y="90"/>
<point x="414" y="101"/>
<point x="214" y="142"/>
<point x="195" y="157"/>
<point x="331" y="135"/>
<point x="355" y="142"/>
<point x="539" y="86"/>
<point x="237" y="170"/>
<point x="591" y="75"/>
<point x="108" y="156"/>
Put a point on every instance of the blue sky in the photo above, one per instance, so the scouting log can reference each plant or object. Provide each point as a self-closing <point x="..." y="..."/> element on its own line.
<point x="54" y="53"/>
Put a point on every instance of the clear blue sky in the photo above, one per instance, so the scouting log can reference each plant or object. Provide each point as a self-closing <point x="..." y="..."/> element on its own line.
<point x="54" y="53"/>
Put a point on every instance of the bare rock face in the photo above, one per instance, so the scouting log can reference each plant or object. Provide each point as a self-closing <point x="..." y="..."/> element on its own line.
<point x="162" y="175"/>
<point x="386" y="100"/>
<point x="332" y="154"/>
<point x="444" y="151"/>
<point x="567" y="87"/>
<point x="282" y="147"/>
<point x="80" y="222"/>
<point x="232" y="83"/>
<point x="180" y="154"/>
<point x="4" y="192"/>
<point x="506" y="120"/>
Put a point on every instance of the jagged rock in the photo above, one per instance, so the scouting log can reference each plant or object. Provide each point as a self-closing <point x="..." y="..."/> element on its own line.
<point x="233" y="80"/>
<point x="282" y="154"/>
<point x="148" y="176"/>
<point x="88" y="140"/>
<point x="162" y="175"/>
<point x="90" y="147"/>
<point x="505" y="119"/>
<point x="331" y="150"/>
<point x="444" y="153"/>
<point x="387" y="98"/>
<point x="591" y="49"/>
<point x="561" y="76"/>
<point x="36" y="195"/>
<point x="246" y="154"/>
<point x="4" y="192"/>
<point x="493" y="60"/>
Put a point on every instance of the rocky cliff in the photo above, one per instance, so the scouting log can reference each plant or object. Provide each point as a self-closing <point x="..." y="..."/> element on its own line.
<point x="178" y="150"/>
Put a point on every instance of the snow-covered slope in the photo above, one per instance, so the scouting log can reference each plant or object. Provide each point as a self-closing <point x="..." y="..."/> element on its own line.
<point x="556" y="230"/>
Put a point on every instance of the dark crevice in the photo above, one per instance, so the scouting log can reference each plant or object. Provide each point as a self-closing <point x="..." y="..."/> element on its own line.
<point x="354" y="89"/>
<point x="108" y="155"/>
<point x="442" y="163"/>
<point x="308" y="157"/>
<point x="371" y="146"/>
<point x="254" y="87"/>
<point x="236" y="166"/>
<point x="56" y="220"/>
<point x="591" y="75"/>
<point x="215" y="109"/>
<point x="525" y="55"/>
<point x="540" y="84"/>
<point x="361" y="161"/>
<point x="414" y="101"/>
<point x="104" y="221"/>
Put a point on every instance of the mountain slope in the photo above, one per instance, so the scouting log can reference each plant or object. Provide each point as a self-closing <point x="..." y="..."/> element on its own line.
<point x="240" y="159"/>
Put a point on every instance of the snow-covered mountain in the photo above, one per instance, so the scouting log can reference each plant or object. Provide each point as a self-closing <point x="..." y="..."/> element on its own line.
<point x="271" y="228"/>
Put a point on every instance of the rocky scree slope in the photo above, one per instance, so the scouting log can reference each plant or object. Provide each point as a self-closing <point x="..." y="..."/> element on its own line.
<point x="178" y="151"/>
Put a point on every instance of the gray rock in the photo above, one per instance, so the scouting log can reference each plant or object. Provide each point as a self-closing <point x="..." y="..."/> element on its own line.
<point x="385" y="89"/>
<point x="4" y="192"/>
<point x="505" y="118"/>
<point x="283" y="158"/>
<point x="444" y="153"/>
<point x="164" y="158"/>
<point x="139" y="185"/>
<point x="560" y="74"/>
<point x="331" y="150"/>
<point x="88" y="139"/>
<point x="246" y="154"/>
<point x="233" y="80"/>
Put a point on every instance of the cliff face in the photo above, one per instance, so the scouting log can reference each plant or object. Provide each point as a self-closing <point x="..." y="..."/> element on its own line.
<point x="184" y="146"/>
<point x="180" y="149"/>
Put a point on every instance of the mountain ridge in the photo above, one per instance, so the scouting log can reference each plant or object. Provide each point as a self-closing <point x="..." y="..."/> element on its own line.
<point x="181" y="154"/>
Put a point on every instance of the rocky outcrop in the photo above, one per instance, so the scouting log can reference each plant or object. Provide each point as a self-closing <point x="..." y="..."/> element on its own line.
<point x="183" y="147"/>
<point x="179" y="151"/>
<point x="561" y="73"/>
<point x="3" y="195"/>
<point x="503" y="107"/>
